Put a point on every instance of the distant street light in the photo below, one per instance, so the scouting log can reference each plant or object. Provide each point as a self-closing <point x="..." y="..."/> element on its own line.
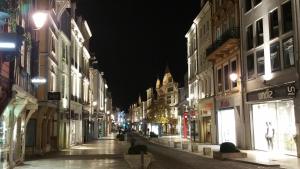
<point x="94" y="103"/>
<point x="39" y="19"/>
<point x="7" y="45"/>
<point x="38" y="80"/>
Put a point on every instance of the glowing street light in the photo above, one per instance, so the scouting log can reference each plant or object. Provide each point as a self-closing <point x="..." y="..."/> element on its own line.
<point x="39" y="19"/>
<point x="7" y="45"/>
<point x="233" y="77"/>
<point x="38" y="80"/>
<point x="94" y="103"/>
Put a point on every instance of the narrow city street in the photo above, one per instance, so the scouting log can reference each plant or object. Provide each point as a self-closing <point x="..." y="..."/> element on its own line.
<point x="167" y="158"/>
<point x="106" y="153"/>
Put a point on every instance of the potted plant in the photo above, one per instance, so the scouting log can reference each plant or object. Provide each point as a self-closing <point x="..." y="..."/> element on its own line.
<point x="228" y="150"/>
<point x="135" y="154"/>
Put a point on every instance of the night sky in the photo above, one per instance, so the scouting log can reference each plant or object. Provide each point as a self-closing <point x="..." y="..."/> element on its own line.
<point x="134" y="40"/>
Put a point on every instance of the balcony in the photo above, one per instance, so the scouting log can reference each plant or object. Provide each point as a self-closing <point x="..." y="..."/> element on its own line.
<point x="228" y="40"/>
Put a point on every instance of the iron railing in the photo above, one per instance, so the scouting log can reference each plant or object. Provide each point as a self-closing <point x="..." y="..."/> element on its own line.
<point x="231" y="33"/>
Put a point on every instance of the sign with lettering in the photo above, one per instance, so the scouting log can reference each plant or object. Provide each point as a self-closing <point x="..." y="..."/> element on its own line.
<point x="277" y="92"/>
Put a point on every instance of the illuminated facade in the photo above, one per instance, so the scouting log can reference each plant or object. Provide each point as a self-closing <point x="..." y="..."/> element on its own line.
<point x="270" y="44"/>
<point x="224" y="53"/>
<point x="17" y="93"/>
<point x="201" y="79"/>
<point x="97" y="84"/>
<point x="168" y="92"/>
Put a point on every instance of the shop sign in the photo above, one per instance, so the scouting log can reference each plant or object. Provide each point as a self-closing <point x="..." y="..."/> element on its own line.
<point x="284" y="91"/>
<point x="224" y="103"/>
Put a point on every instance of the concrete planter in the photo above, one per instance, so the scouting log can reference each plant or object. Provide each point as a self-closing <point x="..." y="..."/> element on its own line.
<point x="221" y="156"/>
<point x="134" y="160"/>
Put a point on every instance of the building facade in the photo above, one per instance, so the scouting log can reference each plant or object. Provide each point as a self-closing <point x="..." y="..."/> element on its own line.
<point x="270" y="43"/>
<point x="224" y="52"/>
<point x="205" y="76"/>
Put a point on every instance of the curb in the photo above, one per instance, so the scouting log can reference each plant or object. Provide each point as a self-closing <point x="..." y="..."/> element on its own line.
<point x="229" y="159"/>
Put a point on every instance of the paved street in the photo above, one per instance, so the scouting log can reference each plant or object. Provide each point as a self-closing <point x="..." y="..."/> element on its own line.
<point x="108" y="154"/>
<point x="105" y="154"/>
<point x="166" y="158"/>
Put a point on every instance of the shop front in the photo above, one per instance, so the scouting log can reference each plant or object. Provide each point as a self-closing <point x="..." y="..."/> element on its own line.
<point x="206" y="120"/>
<point x="273" y="119"/>
<point x="230" y="119"/>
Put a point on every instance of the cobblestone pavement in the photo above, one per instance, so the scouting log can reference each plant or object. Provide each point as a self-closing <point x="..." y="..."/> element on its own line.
<point x="104" y="154"/>
<point x="167" y="158"/>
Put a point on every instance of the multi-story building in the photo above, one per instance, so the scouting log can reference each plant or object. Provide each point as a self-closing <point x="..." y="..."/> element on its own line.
<point x="193" y="83"/>
<point x="97" y="85"/>
<point x="224" y="53"/>
<point x="84" y="70"/>
<point x="64" y="46"/>
<point x="270" y="50"/>
<point x="167" y="91"/>
<point x="17" y="100"/>
<point x="201" y="79"/>
<point x="205" y="75"/>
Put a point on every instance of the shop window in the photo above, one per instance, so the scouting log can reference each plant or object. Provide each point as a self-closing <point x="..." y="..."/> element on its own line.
<point x="250" y="37"/>
<point x="287" y="18"/>
<point x="256" y="2"/>
<point x="233" y="70"/>
<point x="226" y="77"/>
<point x="260" y="59"/>
<point x="288" y="52"/>
<point x="275" y="56"/>
<point x="259" y="32"/>
<point x="250" y="66"/>
<point x="248" y="5"/>
<point x="220" y="77"/>
<point x="273" y="24"/>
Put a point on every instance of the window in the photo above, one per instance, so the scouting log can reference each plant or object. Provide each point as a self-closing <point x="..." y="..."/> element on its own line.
<point x="233" y="70"/>
<point x="256" y="2"/>
<point x="287" y="17"/>
<point x="275" y="56"/>
<point x="218" y="33"/>
<point x="260" y="59"/>
<point x="53" y="45"/>
<point x="288" y="52"/>
<point x="220" y="77"/>
<point x="248" y="5"/>
<point x="250" y="37"/>
<point x="259" y="32"/>
<point x="250" y="66"/>
<point x="226" y="77"/>
<point x="273" y="23"/>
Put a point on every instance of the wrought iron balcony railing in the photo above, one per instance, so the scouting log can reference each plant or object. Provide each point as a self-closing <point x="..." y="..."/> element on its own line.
<point x="231" y="33"/>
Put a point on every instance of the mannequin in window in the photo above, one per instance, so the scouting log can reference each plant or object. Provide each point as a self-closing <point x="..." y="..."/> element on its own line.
<point x="270" y="131"/>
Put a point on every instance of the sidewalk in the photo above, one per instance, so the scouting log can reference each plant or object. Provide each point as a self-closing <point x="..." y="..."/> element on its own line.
<point x="104" y="153"/>
<point x="253" y="156"/>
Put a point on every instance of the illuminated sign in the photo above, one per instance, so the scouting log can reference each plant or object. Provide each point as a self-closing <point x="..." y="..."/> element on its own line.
<point x="277" y="92"/>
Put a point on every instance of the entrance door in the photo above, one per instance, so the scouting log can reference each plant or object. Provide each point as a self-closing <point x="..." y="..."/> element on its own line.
<point x="226" y="126"/>
<point x="281" y="117"/>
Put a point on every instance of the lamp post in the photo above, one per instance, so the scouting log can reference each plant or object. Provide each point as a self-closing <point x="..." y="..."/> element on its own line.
<point x="191" y="117"/>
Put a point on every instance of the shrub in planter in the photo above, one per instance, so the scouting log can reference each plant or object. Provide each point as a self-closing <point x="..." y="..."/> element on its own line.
<point x="228" y="147"/>
<point x="152" y="134"/>
<point x="121" y="137"/>
<point x="138" y="149"/>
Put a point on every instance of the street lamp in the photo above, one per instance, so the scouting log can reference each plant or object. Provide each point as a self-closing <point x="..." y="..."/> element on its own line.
<point x="233" y="77"/>
<point x="39" y="19"/>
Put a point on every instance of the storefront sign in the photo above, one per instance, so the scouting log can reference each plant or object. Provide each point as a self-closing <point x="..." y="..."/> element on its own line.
<point x="224" y="103"/>
<point x="284" y="91"/>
